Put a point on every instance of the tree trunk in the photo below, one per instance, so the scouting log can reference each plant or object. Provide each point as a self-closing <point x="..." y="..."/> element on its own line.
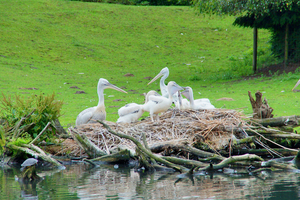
<point x="254" y="49"/>
<point x="260" y="108"/>
<point x="286" y="45"/>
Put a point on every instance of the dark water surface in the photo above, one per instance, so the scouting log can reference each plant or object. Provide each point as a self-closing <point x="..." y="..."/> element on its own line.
<point x="80" y="181"/>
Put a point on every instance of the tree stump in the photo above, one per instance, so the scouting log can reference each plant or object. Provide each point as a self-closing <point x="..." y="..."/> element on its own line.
<point x="29" y="174"/>
<point x="260" y="107"/>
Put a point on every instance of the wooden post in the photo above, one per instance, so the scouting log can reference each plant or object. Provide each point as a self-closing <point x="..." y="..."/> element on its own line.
<point x="286" y="45"/>
<point x="254" y="49"/>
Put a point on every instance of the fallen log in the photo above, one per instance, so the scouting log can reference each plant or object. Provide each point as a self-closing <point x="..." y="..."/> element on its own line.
<point x="227" y="161"/>
<point x="35" y="152"/>
<point x="145" y="150"/>
<point x="261" y="152"/>
<point x="121" y="156"/>
<point x="182" y="145"/>
<point x="89" y="147"/>
<point x="278" y="121"/>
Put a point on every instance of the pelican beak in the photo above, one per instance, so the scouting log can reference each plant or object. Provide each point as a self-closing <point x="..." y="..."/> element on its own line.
<point x="185" y="92"/>
<point x="116" y="88"/>
<point x="175" y="87"/>
<point x="296" y="85"/>
<point x="155" y="78"/>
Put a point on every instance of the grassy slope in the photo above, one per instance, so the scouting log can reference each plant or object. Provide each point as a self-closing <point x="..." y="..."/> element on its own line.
<point x="55" y="44"/>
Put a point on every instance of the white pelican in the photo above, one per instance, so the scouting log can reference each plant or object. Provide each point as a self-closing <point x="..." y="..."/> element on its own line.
<point x="182" y="104"/>
<point x="132" y="112"/>
<point x="163" y="88"/>
<point x="158" y="104"/>
<point x="97" y="112"/>
<point x="203" y="103"/>
<point x="296" y="85"/>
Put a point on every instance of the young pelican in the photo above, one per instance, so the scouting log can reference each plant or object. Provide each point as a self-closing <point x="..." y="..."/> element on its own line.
<point x="163" y="88"/>
<point x="296" y="85"/>
<point x="158" y="104"/>
<point x="182" y="104"/>
<point x="197" y="104"/>
<point x="132" y="112"/>
<point x="97" y="112"/>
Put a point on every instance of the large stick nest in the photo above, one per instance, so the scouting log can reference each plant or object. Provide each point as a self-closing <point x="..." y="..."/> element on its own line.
<point x="212" y="127"/>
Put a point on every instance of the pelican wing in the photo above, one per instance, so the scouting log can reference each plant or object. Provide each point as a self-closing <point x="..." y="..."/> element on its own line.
<point x="126" y="110"/>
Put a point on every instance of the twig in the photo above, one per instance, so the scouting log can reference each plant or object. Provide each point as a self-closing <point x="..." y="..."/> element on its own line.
<point x="16" y="134"/>
<point x="39" y="135"/>
<point x="272" y="141"/>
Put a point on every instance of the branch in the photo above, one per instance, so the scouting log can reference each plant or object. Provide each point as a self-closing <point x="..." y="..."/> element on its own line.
<point x="231" y="160"/>
<point x="89" y="147"/>
<point x="146" y="151"/>
<point x="39" y="135"/>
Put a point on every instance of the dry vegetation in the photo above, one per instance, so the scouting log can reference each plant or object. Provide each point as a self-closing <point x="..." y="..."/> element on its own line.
<point x="212" y="127"/>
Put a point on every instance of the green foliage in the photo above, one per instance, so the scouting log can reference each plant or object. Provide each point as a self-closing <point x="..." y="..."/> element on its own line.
<point x="273" y="15"/>
<point x="277" y="41"/>
<point x="21" y="140"/>
<point x="2" y="139"/>
<point x="37" y="109"/>
<point x="234" y="7"/>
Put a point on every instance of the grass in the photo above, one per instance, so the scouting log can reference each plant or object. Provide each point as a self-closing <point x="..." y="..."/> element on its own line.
<point x="53" y="45"/>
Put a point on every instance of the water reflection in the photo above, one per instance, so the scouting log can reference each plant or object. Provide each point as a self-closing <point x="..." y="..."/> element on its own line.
<point x="79" y="181"/>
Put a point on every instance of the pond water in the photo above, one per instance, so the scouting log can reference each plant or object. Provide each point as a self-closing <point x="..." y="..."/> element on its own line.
<point x="80" y="181"/>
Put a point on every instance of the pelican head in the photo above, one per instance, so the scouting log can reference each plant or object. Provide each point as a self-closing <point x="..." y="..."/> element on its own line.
<point x="187" y="92"/>
<point x="173" y="87"/>
<point x="151" y="93"/>
<point x="104" y="84"/>
<point x="163" y="72"/>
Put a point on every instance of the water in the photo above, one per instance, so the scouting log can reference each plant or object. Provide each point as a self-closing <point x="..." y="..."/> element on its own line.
<point x="80" y="181"/>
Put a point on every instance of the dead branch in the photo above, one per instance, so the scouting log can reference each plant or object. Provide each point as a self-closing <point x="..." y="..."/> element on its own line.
<point x="278" y="121"/>
<point x="89" y="147"/>
<point x="146" y="151"/>
<point x="230" y="160"/>
<point x="121" y="156"/>
<point x="39" y="135"/>
<point x="35" y="152"/>
<point x="182" y="146"/>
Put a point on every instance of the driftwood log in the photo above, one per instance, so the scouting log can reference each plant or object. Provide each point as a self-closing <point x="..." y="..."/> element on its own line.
<point x="278" y="121"/>
<point x="260" y="107"/>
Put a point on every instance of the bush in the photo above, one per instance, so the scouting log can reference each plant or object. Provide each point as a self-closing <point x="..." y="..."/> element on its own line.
<point x="36" y="111"/>
<point x="277" y="41"/>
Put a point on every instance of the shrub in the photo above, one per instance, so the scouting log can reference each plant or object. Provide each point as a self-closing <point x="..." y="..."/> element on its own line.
<point x="35" y="112"/>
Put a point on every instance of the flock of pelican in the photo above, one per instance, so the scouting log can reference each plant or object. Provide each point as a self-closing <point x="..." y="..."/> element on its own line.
<point x="154" y="102"/>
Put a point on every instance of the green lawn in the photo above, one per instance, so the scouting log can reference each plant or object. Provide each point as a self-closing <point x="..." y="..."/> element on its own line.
<point x="52" y="45"/>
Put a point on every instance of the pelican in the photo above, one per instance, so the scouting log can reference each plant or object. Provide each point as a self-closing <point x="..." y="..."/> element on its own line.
<point x="203" y="103"/>
<point x="163" y="88"/>
<point x="97" y="112"/>
<point x="182" y="104"/>
<point x="132" y="112"/>
<point x="158" y="104"/>
<point x="296" y="85"/>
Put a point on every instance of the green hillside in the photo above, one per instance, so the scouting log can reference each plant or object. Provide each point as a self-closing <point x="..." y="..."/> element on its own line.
<point x="51" y="46"/>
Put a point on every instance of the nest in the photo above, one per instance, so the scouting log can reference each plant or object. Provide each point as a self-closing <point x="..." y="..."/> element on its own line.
<point x="211" y="127"/>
